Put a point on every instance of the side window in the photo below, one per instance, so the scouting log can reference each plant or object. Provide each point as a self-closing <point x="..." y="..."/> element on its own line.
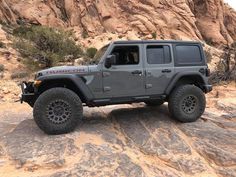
<point x="158" y="54"/>
<point x="187" y="54"/>
<point x="126" y="55"/>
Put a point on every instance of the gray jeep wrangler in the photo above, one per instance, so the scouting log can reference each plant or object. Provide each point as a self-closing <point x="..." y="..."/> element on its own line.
<point x="153" y="72"/>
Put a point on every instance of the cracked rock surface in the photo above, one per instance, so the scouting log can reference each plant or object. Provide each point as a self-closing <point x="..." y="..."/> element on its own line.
<point x="125" y="140"/>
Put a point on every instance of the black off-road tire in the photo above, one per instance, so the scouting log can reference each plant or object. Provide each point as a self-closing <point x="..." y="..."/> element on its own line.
<point x="187" y="103"/>
<point x="58" y="111"/>
<point x="154" y="103"/>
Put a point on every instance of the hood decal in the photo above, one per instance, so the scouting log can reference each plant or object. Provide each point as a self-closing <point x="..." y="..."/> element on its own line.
<point x="66" y="71"/>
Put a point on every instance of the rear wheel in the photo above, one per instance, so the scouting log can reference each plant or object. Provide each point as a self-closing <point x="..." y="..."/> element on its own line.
<point x="187" y="103"/>
<point x="58" y="110"/>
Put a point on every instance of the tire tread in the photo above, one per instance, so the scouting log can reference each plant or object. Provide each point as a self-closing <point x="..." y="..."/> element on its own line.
<point x="174" y="101"/>
<point x="50" y="128"/>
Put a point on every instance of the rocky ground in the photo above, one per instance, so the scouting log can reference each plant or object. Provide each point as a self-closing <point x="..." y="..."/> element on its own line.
<point x="125" y="140"/>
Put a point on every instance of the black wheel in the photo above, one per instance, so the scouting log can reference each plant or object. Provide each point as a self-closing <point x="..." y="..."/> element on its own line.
<point x="154" y="103"/>
<point x="58" y="111"/>
<point x="187" y="103"/>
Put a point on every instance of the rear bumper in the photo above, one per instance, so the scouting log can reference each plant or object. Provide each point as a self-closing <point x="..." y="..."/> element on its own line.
<point x="28" y="94"/>
<point x="207" y="88"/>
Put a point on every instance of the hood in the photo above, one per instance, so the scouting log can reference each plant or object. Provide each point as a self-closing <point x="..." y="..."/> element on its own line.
<point x="64" y="70"/>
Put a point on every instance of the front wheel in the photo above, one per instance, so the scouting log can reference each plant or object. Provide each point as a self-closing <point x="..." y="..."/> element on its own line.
<point x="187" y="103"/>
<point x="58" y="111"/>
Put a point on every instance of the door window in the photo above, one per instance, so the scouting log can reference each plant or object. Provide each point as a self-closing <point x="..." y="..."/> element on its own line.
<point x="126" y="55"/>
<point x="158" y="54"/>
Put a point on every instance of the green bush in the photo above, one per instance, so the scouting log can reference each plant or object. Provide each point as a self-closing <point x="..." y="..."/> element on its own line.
<point x="91" y="52"/>
<point x="154" y="35"/>
<point x="19" y="75"/>
<point x="2" y="68"/>
<point x="22" y="31"/>
<point x="44" y="47"/>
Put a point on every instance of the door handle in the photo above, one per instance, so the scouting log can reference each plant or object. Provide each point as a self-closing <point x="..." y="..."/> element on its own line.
<point x="136" y="72"/>
<point x="166" y="71"/>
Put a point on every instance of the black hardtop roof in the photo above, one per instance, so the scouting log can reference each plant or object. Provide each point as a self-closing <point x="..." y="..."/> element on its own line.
<point x="155" y="41"/>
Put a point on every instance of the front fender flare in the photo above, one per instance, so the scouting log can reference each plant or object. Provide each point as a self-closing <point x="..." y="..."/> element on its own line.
<point x="76" y="79"/>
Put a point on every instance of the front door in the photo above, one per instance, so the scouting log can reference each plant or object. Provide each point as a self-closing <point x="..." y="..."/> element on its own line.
<point x="159" y="66"/>
<point x="126" y="77"/>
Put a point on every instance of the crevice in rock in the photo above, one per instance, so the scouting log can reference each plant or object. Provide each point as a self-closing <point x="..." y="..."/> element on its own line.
<point x="189" y="142"/>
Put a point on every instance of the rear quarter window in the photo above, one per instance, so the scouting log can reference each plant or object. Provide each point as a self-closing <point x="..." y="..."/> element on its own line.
<point x="188" y="54"/>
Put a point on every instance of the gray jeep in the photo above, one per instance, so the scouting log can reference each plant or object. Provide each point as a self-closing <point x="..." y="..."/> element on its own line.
<point x="153" y="72"/>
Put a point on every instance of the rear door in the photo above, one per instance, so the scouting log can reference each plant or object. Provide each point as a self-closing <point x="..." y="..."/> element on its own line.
<point x="159" y="67"/>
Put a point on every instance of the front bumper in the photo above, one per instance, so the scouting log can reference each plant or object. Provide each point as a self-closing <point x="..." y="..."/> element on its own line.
<point x="28" y="94"/>
<point x="208" y="88"/>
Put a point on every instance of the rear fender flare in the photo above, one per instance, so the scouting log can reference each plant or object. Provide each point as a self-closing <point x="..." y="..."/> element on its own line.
<point x="178" y="76"/>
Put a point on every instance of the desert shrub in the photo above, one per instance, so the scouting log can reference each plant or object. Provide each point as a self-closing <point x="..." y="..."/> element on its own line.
<point x="225" y="70"/>
<point x="154" y="35"/>
<point x="2" y="22"/>
<point x="91" y="52"/>
<point x="87" y="61"/>
<point x="22" y="31"/>
<point x="2" y="68"/>
<point x="85" y="34"/>
<point x="208" y="55"/>
<point x="2" y="45"/>
<point x="43" y="47"/>
<point x="209" y="41"/>
<point x="19" y="75"/>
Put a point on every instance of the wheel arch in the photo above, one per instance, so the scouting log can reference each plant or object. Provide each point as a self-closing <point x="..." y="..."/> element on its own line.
<point x="72" y="82"/>
<point x="193" y="78"/>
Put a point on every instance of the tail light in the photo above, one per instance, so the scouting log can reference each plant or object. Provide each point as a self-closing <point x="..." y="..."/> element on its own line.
<point x="205" y="71"/>
<point x="208" y="72"/>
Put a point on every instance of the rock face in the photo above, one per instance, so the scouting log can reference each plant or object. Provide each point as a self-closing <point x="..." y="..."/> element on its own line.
<point x="128" y="141"/>
<point x="209" y="20"/>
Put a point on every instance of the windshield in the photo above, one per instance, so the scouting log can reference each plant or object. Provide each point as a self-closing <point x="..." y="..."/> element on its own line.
<point x="100" y="53"/>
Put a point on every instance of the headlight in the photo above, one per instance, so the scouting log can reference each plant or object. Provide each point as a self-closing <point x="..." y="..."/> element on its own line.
<point x="38" y="75"/>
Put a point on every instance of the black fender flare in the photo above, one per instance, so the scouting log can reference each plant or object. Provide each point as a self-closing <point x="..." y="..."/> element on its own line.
<point x="76" y="79"/>
<point x="180" y="75"/>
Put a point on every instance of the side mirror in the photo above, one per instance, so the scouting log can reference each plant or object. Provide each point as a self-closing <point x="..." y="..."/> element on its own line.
<point x="110" y="60"/>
